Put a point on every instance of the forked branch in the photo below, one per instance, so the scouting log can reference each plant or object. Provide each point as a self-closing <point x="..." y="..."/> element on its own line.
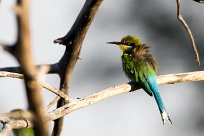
<point x="73" y="41"/>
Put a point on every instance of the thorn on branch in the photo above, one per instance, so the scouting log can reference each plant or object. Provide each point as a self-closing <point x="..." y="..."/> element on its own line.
<point x="59" y="41"/>
<point x="9" y="48"/>
<point x="17" y="9"/>
<point x="79" y="58"/>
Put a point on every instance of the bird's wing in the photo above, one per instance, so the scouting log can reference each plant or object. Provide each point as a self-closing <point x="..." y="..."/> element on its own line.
<point x="145" y="75"/>
<point x="138" y="69"/>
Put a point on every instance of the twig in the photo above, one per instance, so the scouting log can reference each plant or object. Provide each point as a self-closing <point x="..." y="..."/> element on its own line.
<point x="43" y="84"/>
<point x="10" y="74"/>
<point x="73" y="41"/>
<point x="53" y="68"/>
<point x="55" y="91"/>
<point x="54" y="101"/>
<point x="179" y="16"/>
<point x="113" y="91"/>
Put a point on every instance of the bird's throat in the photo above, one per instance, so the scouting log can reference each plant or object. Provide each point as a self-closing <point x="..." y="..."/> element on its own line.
<point x="124" y="48"/>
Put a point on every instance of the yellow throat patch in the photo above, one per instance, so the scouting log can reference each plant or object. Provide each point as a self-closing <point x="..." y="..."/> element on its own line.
<point x="123" y="47"/>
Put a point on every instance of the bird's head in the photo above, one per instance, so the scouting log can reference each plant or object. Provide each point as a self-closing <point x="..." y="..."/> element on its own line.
<point x="127" y="43"/>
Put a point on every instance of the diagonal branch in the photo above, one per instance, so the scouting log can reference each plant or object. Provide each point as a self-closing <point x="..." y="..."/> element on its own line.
<point x="123" y="88"/>
<point x="179" y="16"/>
<point x="73" y="41"/>
<point x="110" y="92"/>
<point x="43" y="84"/>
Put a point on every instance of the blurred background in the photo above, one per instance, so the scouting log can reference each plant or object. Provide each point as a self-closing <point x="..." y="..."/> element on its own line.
<point x="155" y="23"/>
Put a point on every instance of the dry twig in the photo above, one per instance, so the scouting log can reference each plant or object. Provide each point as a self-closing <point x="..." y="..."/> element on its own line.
<point x="43" y="84"/>
<point x="179" y="16"/>
<point x="54" y="101"/>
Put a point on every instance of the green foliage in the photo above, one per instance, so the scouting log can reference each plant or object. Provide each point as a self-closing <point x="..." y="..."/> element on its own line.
<point x="24" y="132"/>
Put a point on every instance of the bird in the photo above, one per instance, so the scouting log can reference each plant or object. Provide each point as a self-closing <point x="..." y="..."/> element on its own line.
<point x="141" y="68"/>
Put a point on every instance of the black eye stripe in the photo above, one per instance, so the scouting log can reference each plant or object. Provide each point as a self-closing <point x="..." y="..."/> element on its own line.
<point x="131" y="44"/>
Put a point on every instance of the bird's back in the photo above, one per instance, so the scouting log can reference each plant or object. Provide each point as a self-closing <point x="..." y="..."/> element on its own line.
<point x="139" y="65"/>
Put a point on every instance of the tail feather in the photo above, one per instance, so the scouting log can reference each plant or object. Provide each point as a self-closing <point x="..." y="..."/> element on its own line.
<point x="160" y="104"/>
<point x="165" y="117"/>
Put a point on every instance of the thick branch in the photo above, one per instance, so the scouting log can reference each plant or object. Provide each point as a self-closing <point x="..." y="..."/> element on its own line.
<point x="113" y="91"/>
<point x="179" y="16"/>
<point x="73" y="41"/>
<point x="22" y="51"/>
<point x="124" y="88"/>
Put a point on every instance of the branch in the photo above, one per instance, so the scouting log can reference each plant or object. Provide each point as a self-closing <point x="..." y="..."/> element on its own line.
<point x="123" y="88"/>
<point x="73" y="41"/>
<point x="179" y="16"/>
<point x="53" y="68"/>
<point x="113" y="91"/>
<point x="43" y="84"/>
<point x="7" y="127"/>
<point x="6" y="130"/>
<point x="22" y="52"/>
<point x="54" y="101"/>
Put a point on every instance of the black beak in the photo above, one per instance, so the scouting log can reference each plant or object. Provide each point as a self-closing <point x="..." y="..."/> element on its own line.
<point x="117" y="43"/>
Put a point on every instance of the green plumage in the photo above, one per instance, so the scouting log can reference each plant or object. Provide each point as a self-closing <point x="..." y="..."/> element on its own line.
<point x="139" y="64"/>
<point x="141" y="67"/>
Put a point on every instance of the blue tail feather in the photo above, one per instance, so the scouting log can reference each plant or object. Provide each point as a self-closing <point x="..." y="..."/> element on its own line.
<point x="154" y="88"/>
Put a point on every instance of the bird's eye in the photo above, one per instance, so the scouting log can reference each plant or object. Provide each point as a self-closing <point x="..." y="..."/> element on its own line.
<point x="131" y="44"/>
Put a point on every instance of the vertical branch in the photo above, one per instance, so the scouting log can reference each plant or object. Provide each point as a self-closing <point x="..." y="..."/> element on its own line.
<point x="22" y="51"/>
<point x="73" y="41"/>
<point x="179" y="16"/>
